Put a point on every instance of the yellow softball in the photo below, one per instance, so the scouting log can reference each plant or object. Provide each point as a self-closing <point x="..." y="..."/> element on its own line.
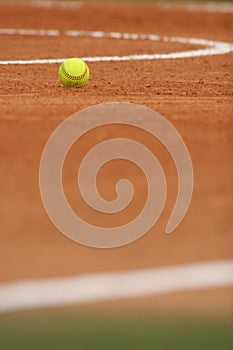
<point x="74" y="72"/>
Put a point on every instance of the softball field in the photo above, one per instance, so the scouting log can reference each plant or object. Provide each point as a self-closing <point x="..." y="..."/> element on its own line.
<point x="161" y="291"/>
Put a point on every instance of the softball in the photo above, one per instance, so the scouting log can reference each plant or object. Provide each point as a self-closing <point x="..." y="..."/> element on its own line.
<point x="74" y="73"/>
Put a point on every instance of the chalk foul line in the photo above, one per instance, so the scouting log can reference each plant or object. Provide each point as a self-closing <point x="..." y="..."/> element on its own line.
<point x="205" y="7"/>
<point x="211" y="47"/>
<point x="226" y="7"/>
<point x="94" y="287"/>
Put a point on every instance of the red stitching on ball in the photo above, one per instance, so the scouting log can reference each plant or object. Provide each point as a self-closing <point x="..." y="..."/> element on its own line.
<point x="72" y="77"/>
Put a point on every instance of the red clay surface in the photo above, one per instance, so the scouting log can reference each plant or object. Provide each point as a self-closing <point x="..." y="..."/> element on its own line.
<point x="195" y="94"/>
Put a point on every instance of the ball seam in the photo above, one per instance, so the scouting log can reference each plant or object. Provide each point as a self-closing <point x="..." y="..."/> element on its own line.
<point x="72" y="77"/>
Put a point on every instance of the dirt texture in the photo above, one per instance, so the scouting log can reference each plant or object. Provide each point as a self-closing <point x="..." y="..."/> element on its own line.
<point x="194" y="94"/>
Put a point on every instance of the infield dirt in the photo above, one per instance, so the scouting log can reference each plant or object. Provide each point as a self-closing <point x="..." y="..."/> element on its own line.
<point x="194" y="94"/>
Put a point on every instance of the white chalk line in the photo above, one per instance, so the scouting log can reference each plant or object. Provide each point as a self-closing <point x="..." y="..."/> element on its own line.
<point x="95" y="287"/>
<point x="206" y="7"/>
<point x="211" y="47"/>
<point x="194" y="7"/>
<point x="49" y="4"/>
<point x="56" y="4"/>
